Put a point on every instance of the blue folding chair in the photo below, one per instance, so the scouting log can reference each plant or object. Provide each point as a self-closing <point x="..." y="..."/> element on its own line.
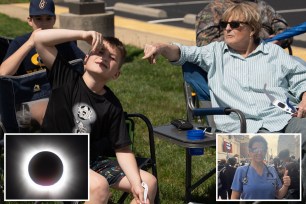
<point x="4" y="44"/>
<point x="195" y="81"/>
<point x="197" y="97"/>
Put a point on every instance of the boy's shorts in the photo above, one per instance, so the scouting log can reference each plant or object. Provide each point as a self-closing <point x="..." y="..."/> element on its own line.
<point x="108" y="168"/>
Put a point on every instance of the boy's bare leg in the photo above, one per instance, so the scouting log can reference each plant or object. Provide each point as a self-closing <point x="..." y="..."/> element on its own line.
<point x="99" y="189"/>
<point x="124" y="185"/>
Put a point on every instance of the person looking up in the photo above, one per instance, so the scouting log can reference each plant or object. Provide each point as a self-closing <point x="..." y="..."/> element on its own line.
<point x="86" y="104"/>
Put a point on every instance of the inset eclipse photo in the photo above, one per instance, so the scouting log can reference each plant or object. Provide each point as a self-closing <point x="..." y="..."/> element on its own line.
<point x="46" y="167"/>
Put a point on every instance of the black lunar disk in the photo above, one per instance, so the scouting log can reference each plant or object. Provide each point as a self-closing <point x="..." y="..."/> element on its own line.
<point x="45" y="168"/>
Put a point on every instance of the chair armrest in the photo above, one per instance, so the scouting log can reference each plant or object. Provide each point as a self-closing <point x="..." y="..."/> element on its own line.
<point x="222" y="111"/>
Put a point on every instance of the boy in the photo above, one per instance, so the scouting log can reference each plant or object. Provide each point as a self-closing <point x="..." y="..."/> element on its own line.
<point x="83" y="103"/>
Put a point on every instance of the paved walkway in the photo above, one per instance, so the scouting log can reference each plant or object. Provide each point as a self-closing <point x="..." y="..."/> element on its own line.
<point x="131" y="31"/>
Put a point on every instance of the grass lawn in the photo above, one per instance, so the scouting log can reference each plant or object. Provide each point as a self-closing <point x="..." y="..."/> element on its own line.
<point x="13" y="1"/>
<point x="155" y="91"/>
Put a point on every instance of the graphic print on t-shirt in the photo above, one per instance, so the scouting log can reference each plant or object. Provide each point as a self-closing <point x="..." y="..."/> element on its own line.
<point x="84" y="116"/>
<point x="36" y="60"/>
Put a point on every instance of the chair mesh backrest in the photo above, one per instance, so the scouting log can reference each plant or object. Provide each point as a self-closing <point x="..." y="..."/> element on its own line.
<point x="197" y="78"/>
<point x="130" y="124"/>
<point x="4" y="44"/>
<point x="15" y="90"/>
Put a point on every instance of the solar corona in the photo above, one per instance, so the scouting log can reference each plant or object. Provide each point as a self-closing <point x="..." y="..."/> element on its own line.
<point x="45" y="168"/>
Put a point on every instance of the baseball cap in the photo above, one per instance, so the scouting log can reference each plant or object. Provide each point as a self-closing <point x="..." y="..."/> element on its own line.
<point x="42" y="7"/>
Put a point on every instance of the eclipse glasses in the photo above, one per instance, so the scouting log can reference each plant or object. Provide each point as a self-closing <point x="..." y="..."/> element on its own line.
<point x="287" y="107"/>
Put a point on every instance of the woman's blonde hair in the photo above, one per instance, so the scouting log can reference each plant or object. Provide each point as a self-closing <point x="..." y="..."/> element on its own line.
<point x="245" y="12"/>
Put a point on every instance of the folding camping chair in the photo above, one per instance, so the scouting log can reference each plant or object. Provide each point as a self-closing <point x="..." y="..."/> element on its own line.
<point x="198" y="99"/>
<point x="199" y="110"/>
<point x="195" y="79"/>
<point x="145" y="161"/>
<point x="4" y="44"/>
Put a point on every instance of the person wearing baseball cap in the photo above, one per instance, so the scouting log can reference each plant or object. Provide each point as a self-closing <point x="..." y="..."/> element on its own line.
<point x="21" y="57"/>
<point x="26" y="60"/>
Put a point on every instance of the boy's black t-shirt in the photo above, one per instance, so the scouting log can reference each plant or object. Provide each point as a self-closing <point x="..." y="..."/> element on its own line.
<point x="74" y="108"/>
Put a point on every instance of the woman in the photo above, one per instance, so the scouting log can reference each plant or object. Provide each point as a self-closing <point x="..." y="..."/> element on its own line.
<point x="238" y="69"/>
<point x="257" y="180"/>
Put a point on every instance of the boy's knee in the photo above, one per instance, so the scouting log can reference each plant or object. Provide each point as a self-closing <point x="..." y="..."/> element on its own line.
<point x="99" y="184"/>
<point x="152" y="183"/>
<point x="99" y="190"/>
<point x="153" y="180"/>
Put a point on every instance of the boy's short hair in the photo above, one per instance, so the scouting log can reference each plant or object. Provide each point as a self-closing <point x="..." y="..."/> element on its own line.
<point x="115" y="42"/>
<point x="232" y="161"/>
<point x="42" y="7"/>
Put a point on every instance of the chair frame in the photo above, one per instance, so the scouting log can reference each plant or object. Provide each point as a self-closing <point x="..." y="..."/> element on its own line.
<point x="195" y="80"/>
<point x="146" y="163"/>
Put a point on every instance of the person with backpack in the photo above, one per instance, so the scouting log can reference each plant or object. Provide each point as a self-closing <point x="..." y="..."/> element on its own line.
<point x="227" y="175"/>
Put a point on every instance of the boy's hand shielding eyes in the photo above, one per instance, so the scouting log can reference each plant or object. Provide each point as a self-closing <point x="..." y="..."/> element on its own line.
<point x="95" y="39"/>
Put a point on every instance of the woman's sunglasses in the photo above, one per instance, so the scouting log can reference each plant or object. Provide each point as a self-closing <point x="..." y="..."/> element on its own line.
<point x="233" y="24"/>
<point x="258" y="150"/>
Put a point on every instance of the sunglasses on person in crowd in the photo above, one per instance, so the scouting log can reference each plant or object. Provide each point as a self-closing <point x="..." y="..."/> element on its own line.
<point x="233" y="24"/>
<point x="257" y="150"/>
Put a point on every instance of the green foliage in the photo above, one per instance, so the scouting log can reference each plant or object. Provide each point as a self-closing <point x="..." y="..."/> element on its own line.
<point x="12" y="27"/>
<point x="157" y="92"/>
<point x="13" y="1"/>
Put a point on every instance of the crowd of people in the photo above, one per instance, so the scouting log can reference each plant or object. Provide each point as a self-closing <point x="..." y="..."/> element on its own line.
<point x="240" y="67"/>
<point x="251" y="180"/>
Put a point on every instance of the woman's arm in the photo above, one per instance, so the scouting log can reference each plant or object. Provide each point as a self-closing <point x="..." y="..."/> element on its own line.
<point x="171" y="52"/>
<point x="235" y="195"/>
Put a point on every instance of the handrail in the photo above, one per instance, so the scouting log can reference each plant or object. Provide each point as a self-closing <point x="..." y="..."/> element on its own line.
<point x="241" y="118"/>
<point x="222" y="111"/>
